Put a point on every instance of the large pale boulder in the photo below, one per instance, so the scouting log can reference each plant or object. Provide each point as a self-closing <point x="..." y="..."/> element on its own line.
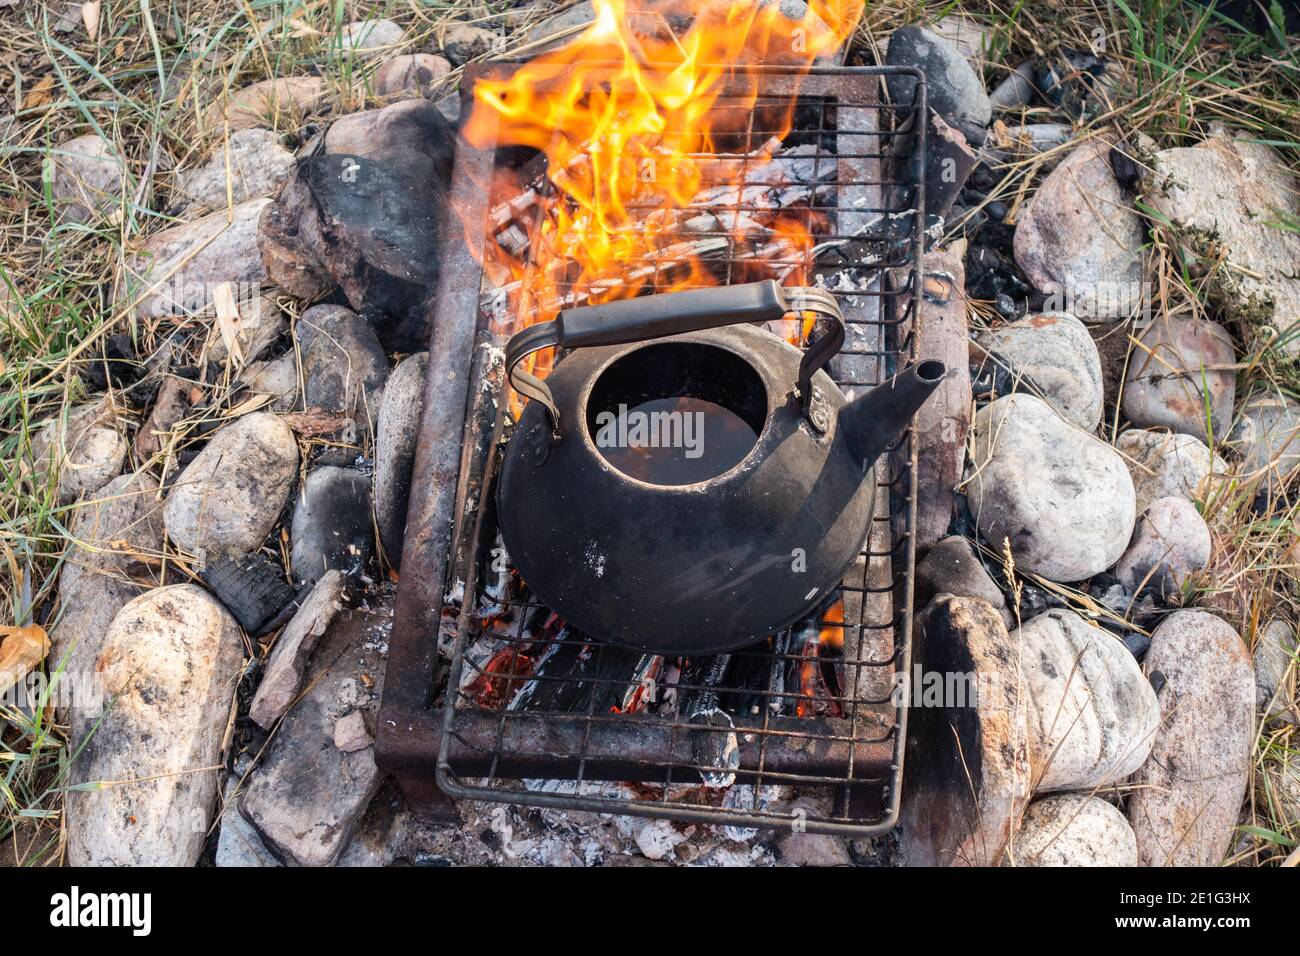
<point x="1073" y="829"/>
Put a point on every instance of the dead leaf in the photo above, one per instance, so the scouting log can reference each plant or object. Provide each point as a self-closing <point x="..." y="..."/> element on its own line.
<point x="41" y="93"/>
<point x="248" y="405"/>
<point x="223" y="297"/>
<point x="22" y="650"/>
<point x="90" y="17"/>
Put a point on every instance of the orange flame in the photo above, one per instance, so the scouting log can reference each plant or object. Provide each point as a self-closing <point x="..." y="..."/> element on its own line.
<point x="633" y="122"/>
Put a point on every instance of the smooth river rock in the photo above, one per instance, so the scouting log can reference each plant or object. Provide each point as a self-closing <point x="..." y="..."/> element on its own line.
<point x="288" y="661"/>
<point x="1181" y="367"/>
<point x="87" y="178"/>
<point x="1052" y="356"/>
<point x="1188" y="795"/>
<point x="229" y="497"/>
<point x="1171" y="543"/>
<point x="1267" y="437"/>
<point x="267" y="103"/>
<point x="951" y="567"/>
<point x="1167" y="465"/>
<point x="344" y="366"/>
<point x="86" y="449"/>
<point x="371" y="37"/>
<point x="1079" y="239"/>
<point x="1074" y="829"/>
<point x="250" y="164"/>
<point x="953" y="89"/>
<point x="1276" y="669"/>
<point x="332" y="527"/>
<point x="1063" y="498"/>
<point x="411" y="74"/>
<point x="1092" y="713"/>
<point x="396" y="434"/>
<point x="169" y="664"/>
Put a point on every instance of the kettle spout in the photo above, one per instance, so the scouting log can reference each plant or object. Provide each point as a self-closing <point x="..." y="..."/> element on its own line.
<point x="874" y="419"/>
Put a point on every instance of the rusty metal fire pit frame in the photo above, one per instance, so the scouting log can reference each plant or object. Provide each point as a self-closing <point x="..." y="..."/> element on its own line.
<point x="431" y="749"/>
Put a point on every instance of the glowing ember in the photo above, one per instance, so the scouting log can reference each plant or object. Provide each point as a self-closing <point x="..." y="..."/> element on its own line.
<point x="633" y="126"/>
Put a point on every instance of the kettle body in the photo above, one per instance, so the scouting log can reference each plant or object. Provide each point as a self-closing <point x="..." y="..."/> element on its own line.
<point x="692" y="492"/>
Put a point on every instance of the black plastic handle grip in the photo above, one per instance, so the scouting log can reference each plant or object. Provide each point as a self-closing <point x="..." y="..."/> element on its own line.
<point x="656" y="316"/>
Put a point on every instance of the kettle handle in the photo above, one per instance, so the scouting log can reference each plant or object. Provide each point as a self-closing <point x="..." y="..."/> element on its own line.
<point x="671" y="313"/>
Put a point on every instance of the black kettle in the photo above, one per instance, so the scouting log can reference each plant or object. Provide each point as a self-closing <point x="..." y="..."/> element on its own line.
<point x="684" y="482"/>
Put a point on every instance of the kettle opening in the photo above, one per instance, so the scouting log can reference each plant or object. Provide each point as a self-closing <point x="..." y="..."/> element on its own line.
<point x="676" y="413"/>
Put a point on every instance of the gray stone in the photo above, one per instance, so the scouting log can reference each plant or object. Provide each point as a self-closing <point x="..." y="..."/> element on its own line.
<point x="1171" y="543"/>
<point x="229" y="497"/>
<point x="1275" y="668"/>
<point x="393" y="132"/>
<point x="239" y="844"/>
<point x="307" y="796"/>
<point x="462" y="42"/>
<point x="1181" y="367"/>
<point x="1053" y="356"/>
<point x="267" y="103"/>
<point x="371" y="37"/>
<point x="178" y="270"/>
<point x="1232" y="193"/>
<point x="85" y="450"/>
<point x="87" y="178"/>
<point x="288" y="661"/>
<point x="1015" y="90"/>
<point x="277" y="378"/>
<point x="1063" y="498"/>
<point x="951" y="567"/>
<point x="1092" y="713"/>
<point x="1267" y="437"/>
<point x="259" y="324"/>
<point x="953" y="89"/>
<point x="1074" y="829"/>
<point x="1187" y="797"/>
<point x="968" y="772"/>
<point x="1165" y="465"/>
<point x="251" y="164"/>
<point x="170" y="663"/>
<point x="344" y="366"/>
<point x="332" y="528"/>
<point x="114" y="540"/>
<point x="1079" y="239"/>
<point x="411" y="74"/>
<point x="397" y="430"/>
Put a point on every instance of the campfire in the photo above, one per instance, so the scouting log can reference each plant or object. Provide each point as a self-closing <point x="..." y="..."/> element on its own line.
<point x="641" y="159"/>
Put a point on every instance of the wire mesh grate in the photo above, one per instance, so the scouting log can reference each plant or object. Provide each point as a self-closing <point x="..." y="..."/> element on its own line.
<point x="535" y="712"/>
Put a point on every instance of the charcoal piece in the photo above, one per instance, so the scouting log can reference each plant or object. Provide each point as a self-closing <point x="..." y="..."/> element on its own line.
<point x="1126" y="169"/>
<point x="1077" y="81"/>
<point x="581" y="676"/>
<point x="118" y="365"/>
<point x="252" y="588"/>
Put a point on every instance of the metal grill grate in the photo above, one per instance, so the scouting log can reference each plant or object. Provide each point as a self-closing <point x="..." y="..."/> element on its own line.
<point x="534" y="712"/>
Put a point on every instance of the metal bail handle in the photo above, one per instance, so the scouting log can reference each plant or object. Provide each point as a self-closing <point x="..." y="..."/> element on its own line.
<point x="671" y="313"/>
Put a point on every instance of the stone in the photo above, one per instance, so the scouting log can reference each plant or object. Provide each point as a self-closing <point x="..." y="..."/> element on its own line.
<point x="1230" y="193"/>
<point x="370" y="37"/>
<point x="1074" y="829"/>
<point x="267" y="103"/>
<point x="953" y="90"/>
<point x="951" y="567"/>
<point x="277" y="378"/>
<point x="462" y="42"/>
<point x="1016" y="89"/>
<point x="178" y="270"/>
<point x="1079" y="239"/>
<point x="1164" y="465"/>
<point x="1063" y="498"/>
<point x="1092" y="713"/>
<point x="1266" y="437"/>
<point x="812" y="849"/>
<point x="344" y="369"/>
<point x="85" y="450"/>
<point x="229" y="497"/>
<point x="169" y="666"/>
<point x="239" y="843"/>
<point x="1276" y="669"/>
<point x="284" y="671"/>
<point x="410" y="125"/>
<point x="350" y="733"/>
<point x="1187" y="797"/>
<point x="969" y="37"/>
<point x="1170" y="544"/>
<point x="256" y="327"/>
<point x="250" y="164"/>
<point x="114" y="540"/>
<point x="1052" y="356"/>
<point x="1181" y="367"/>
<point x="967" y="777"/>
<point x="395" y="438"/>
<point x="87" y="176"/>
<point x="411" y="74"/>
<point x="306" y="796"/>
<point x="332" y="528"/>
